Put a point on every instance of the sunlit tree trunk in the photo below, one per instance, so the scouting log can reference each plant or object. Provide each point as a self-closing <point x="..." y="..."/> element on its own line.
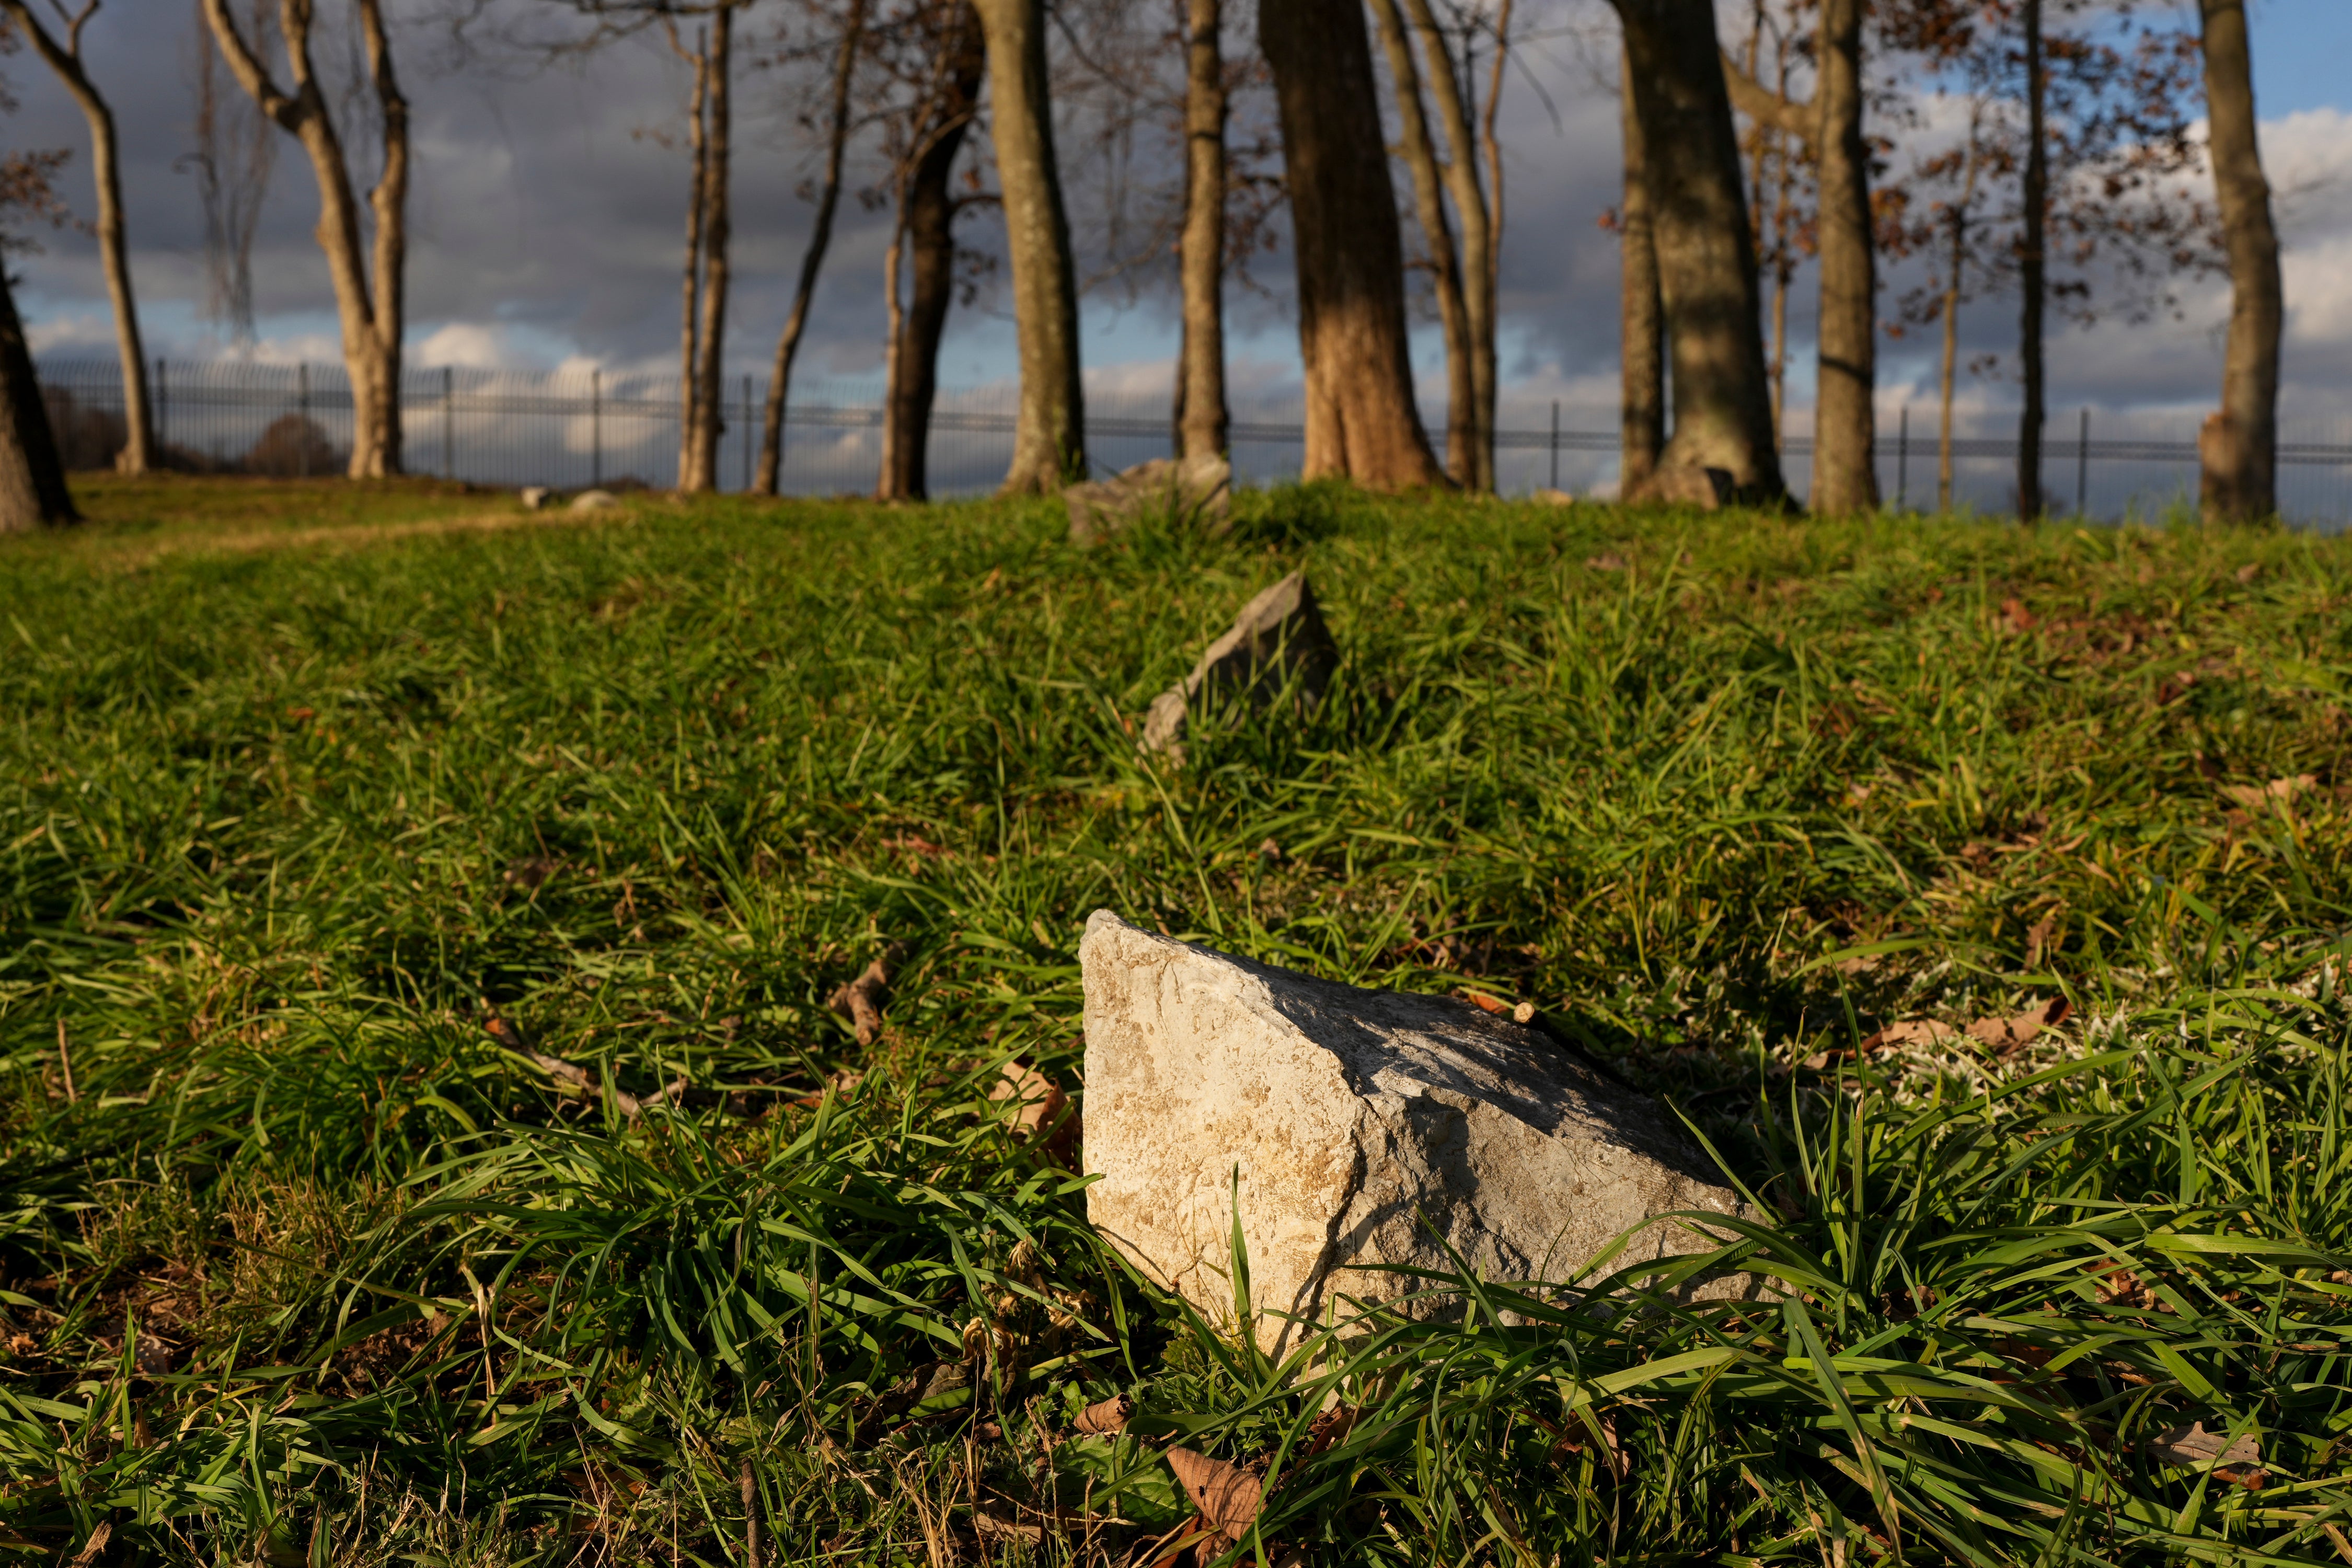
<point x="1049" y="440"/>
<point x="1642" y="359"/>
<point x="1362" y="418"/>
<point x="371" y="312"/>
<point x="1202" y="420"/>
<point x="1480" y="246"/>
<point x="689" y="322"/>
<point x="2240" y="469"/>
<point x="64" y="57"/>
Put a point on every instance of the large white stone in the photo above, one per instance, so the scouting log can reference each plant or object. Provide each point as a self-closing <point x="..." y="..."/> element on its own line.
<point x="1351" y="1115"/>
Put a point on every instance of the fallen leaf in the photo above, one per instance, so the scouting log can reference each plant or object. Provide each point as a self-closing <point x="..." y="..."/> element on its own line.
<point x="2015" y="618"/>
<point x="2250" y="571"/>
<point x="1105" y="1416"/>
<point x="2192" y="1444"/>
<point x="1330" y="1429"/>
<point x="2037" y="937"/>
<point x="1228" y="1497"/>
<point x="1039" y="1100"/>
<point x="2253" y="796"/>
<point x="1000" y="1528"/>
<point x="2006" y="1035"/>
<point x="1607" y="560"/>
<point x="1916" y="1032"/>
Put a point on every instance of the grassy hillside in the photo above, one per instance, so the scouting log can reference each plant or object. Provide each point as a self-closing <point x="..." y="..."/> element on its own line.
<point x="324" y="814"/>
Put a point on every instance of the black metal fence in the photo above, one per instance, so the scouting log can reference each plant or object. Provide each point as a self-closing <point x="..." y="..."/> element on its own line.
<point x="572" y="429"/>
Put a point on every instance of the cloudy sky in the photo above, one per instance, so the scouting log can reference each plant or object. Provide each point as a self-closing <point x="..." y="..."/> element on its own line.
<point x="547" y="221"/>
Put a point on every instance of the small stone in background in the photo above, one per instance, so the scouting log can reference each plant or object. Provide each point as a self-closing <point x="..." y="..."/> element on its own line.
<point x="1705" y="488"/>
<point x="533" y="497"/>
<point x="1549" y="497"/>
<point x="593" y="500"/>
<point x="1278" y="633"/>
<point x="1195" y="492"/>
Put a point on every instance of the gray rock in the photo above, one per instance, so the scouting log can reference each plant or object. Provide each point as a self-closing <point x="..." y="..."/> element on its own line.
<point x="1279" y="634"/>
<point x="594" y="501"/>
<point x="533" y="497"/>
<point x="1194" y="493"/>
<point x="1350" y="1117"/>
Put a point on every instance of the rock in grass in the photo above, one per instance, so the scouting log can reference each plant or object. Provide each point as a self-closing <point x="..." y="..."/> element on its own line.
<point x="533" y="497"/>
<point x="594" y="501"/>
<point x="1350" y="1115"/>
<point x="1195" y="492"/>
<point x="1279" y="636"/>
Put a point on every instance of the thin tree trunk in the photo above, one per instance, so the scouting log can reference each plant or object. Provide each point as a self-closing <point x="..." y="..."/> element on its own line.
<point x="1202" y="418"/>
<point x="1846" y="426"/>
<point x="2241" y="478"/>
<point x="32" y="477"/>
<point x="710" y="423"/>
<point x="894" y="332"/>
<point x="1477" y="269"/>
<point x="689" y="322"/>
<point x="1049" y="442"/>
<point x="1438" y="233"/>
<point x="1362" y="421"/>
<point x="788" y="344"/>
<point x="1706" y="257"/>
<point x="2033" y="266"/>
<point x="1493" y="147"/>
<point x="106" y="172"/>
<point x="371" y="316"/>
<point x="927" y="208"/>
<point x="1642" y="356"/>
<point x="1951" y="313"/>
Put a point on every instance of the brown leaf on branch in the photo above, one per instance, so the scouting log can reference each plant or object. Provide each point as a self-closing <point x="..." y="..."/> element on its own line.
<point x="1105" y="1416"/>
<point x="1228" y="1497"/>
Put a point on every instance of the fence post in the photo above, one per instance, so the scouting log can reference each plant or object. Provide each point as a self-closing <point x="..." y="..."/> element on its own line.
<point x="2083" y="465"/>
<point x="1555" y="443"/>
<point x="747" y="432"/>
<point x="596" y="426"/>
<point x="302" y="408"/>
<point x="1903" y="459"/>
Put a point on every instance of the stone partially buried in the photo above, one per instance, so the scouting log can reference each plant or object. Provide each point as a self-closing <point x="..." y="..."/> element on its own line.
<point x="1351" y="1116"/>
<point x="1278" y="637"/>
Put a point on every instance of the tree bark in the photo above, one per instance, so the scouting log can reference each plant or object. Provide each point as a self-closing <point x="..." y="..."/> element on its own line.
<point x="2242" y="486"/>
<point x="2033" y="267"/>
<point x="1478" y="268"/>
<point x="928" y="210"/>
<point x="1951" y="314"/>
<point x="1202" y="418"/>
<point x="1438" y="233"/>
<point x="1706" y="257"/>
<point x="689" y="313"/>
<point x="1363" y="422"/>
<point x="787" y="342"/>
<point x="32" y="477"/>
<point x="1049" y="440"/>
<point x="113" y="248"/>
<point x="370" y="315"/>
<point x="699" y="464"/>
<point x="1642" y="359"/>
<point x="1845" y="474"/>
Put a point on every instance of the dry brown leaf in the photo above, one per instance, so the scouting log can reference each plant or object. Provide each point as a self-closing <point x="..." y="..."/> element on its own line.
<point x="2015" y="618"/>
<point x="1915" y="1032"/>
<point x="2037" y="937"/>
<point x="1228" y="1497"/>
<point x="2192" y="1444"/>
<point x="1105" y="1416"/>
<point x="2006" y="1035"/>
<point x="2254" y="796"/>
<point x="1485" y="1003"/>
<point x="2250" y="571"/>
<point x="1039" y="1100"/>
<point x="1607" y="560"/>
<point x="1330" y="1429"/>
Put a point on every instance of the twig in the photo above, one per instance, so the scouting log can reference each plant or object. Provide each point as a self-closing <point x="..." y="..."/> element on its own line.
<point x="579" y="1077"/>
<point x="861" y="1000"/>
<point x="65" y="1063"/>
<point x="750" y="1518"/>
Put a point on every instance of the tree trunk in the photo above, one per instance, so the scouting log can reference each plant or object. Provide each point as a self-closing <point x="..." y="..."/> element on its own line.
<point x="1951" y="314"/>
<point x="2243" y="487"/>
<point x="689" y="311"/>
<point x="32" y="477"/>
<point x="1845" y="472"/>
<point x="1202" y="420"/>
<point x="1049" y="441"/>
<point x="2033" y="266"/>
<point x="1438" y="233"/>
<point x="371" y="316"/>
<point x="106" y="172"/>
<point x="1642" y="359"/>
<point x="1361" y="419"/>
<point x="928" y="213"/>
<point x="1478" y="268"/>
<point x="698" y="472"/>
<point x="788" y="344"/>
<point x="1706" y="257"/>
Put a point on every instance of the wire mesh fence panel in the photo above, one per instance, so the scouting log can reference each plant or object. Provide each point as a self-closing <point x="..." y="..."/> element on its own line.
<point x="574" y="429"/>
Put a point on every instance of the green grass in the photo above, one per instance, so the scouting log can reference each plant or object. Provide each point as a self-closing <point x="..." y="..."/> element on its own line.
<point x="301" y="786"/>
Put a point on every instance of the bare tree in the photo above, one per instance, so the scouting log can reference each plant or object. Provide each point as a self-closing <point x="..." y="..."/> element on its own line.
<point x="836" y="123"/>
<point x="63" y="55"/>
<point x="2034" y="261"/>
<point x="1642" y="358"/>
<point x="708" y="231"/>
<point x="943" y="58"/>
<point x="2240" y="448"/>
<point x="33" y="491"/>
<point x="236" y="147"/>
<point x="1202" y="420"/>
<point x="371" y="308"/>
<point x="1361" y="419"/>
<point x="1845" y="477"/>
<point x="1707" y="256"/>
<point x="1049" y="440"/>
